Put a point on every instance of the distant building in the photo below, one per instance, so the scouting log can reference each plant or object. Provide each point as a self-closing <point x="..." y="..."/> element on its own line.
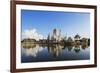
<point x="77" y="40"/>
<point x="49" y="37"/>
<point x="56" y="35"/>
<point x="43" y="41"/>
<point x="77" y="37"/>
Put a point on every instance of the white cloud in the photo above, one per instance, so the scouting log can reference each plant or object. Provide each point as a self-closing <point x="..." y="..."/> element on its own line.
<point x="31" y="34"/>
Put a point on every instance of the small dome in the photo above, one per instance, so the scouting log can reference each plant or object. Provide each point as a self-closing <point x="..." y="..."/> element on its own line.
<point x="77" y="36"/>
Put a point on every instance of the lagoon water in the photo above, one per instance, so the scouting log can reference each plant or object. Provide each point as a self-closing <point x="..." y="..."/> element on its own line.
<point x="54" y="52"/>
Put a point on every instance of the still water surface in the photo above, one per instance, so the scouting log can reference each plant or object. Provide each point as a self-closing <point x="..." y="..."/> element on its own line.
<point x="54" y="52"/>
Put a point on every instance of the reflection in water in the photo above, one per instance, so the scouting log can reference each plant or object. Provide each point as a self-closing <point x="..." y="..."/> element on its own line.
<point x="77" y="48"/>
<point x="31" y="51"/>
<point x="54" y="52"/>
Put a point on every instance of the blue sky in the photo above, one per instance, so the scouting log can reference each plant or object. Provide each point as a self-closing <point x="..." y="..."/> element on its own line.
<point x="45" y="21"/>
